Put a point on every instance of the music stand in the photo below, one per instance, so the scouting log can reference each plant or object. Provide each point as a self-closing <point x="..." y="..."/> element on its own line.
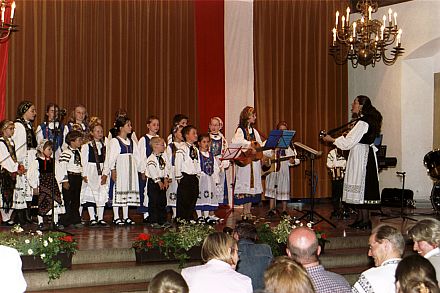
<point x="310" y="214"/>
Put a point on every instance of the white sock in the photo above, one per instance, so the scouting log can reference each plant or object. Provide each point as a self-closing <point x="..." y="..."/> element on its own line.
<point x="6" y="216"/>
<point x="55" y="217"/>
<point x="92" y="214"/>
<point x="174" y="212"/>
<point x="100" y="211"/>
<point x="205" y="214"/>
<point x="146" y="215"/>
<point x="125" y="212"/>
<point x="199" y="213"/>
<point x="80" y="211"/>
<point x="115" y="213"/>
<point x="40" y="219"/>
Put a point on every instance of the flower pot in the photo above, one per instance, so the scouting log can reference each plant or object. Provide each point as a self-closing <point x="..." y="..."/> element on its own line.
<point x="34" y="262"/>
<point x="155" y="255"/>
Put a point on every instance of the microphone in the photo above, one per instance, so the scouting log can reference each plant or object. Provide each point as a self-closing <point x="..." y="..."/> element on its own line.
<point x="62" y="112"/>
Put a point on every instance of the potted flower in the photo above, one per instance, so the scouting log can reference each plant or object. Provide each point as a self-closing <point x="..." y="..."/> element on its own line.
<point x="180" y="243"/>
<point x="52" y="251"/>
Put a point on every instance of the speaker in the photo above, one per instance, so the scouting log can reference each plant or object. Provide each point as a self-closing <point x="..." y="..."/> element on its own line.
<point x="391" y="197"/>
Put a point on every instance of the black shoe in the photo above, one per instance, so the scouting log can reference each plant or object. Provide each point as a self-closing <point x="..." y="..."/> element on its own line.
<point x="272" y="213"/>
<point x="146" y="220"/>
<point x="102" y="223"/>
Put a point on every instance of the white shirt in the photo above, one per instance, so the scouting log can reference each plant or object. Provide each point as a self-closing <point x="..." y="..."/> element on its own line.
<point x="67" y="162"/>
<point x="11" y="276"/>
<point x="19" y="138"/>
<point x="378" y="279"/>
<point x="184" y="163"/>
<point x="155" y="171"/>
<point x="216" y="276"/>
<point x="435" y="251"/>
<point x="6" y="160"/>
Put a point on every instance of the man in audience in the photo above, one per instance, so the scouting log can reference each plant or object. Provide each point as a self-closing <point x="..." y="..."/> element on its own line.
<point x="254" y="258"/>
<point x="11" y="276"/>
<point x="426" y="237"/>
<point x="303" y="247"/>
<point x="386" y="246"/>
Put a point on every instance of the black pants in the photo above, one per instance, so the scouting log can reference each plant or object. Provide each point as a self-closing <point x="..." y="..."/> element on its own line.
<point x="187" y="194"/>
<point x="337" y="189"/>
<point x="157" y="202"/>
<point x="72" y="201"/>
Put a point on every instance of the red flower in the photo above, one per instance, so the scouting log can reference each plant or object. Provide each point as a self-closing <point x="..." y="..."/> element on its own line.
<point x="160" y="243"/>
<point x="144" y="237"/>
<point x="149" y="244"/>
<point x="323" y="236"/>
<point x="67" y="238"/>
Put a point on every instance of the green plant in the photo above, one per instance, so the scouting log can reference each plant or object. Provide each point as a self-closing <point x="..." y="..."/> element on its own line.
<point x="174" y="242"/>
<point x="47" y="246"/>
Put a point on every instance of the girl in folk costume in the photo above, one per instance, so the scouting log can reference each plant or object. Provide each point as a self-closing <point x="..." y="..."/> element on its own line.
<point x="207" y="201"/>
<point x="123" y="162"/>
<point x="25" y="149"/>
<point x="9" y="168"/>
<point x="51" y="128"/>
<point x="145" y="151"/>
<point x="171" y="156"/>
<point x="46" y="183"/>
<point x="219" y="144"/>
<point x="94" y="192"/>
<point x="178" y="119"/>
<point x="361" y="181"/>
<point x="278" y="183"/>
<point x="79" y="120"/>
<point x="248" y="186"/>
<point x="132" y="135"/>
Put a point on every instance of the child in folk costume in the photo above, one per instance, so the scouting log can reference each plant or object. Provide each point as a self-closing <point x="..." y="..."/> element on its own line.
<point x="51" y="128"/>
<point x="132" y="135"/>
<point x="336" y="163"/>
<point x="207" y="201"/>
<point x="145" y="151"/>
<point x="94" y="193"/>
<point x="171" y="155"/>
<point x="278" y="183"/>
<point x="248" y="186"/>
<point x="178" y="119"/>
<point x="9" y="168"/>
<point x="219" y="144"/>
<point x="45" y="179"/>
<point x="79" y="120"/>
<point x="187" y="174"/>
<point x="72" y="169"/>
<point x="124" y="163"/>
<point x="25" y="149"/>
<point x="158" y="173"/>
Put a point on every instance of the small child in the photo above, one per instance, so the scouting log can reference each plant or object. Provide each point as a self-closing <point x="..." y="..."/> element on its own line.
<point x="145" y="151"/>
<point x="71" y="168"/>
<point x="171" y="155"/>
<point x="158" y="172"/>
<point x="9" y="168"/>
<point x="94" y="192"/>
<point x="178" y="119"/>
<point x="187" y="174"/>
<point x="207" y="201"/>
<point x="219" y="145"/>
<point x="336" y="163"/>
<point x="51" y="128"/>
<point x="46" y="183"/>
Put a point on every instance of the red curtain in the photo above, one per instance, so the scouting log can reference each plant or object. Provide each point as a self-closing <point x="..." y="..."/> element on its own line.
<point x="210" y="60"/>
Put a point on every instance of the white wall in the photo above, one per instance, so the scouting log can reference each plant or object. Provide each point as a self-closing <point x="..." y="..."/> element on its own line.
<point x="403" y="93"/>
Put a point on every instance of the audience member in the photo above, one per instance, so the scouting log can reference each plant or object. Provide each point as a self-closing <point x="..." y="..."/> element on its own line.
<point x="168" y="281"/>
<point x="386" y="248"/>
<point x="254" y="258"/>
<point x="303" y="247"/>
<point x="217" y="275"/>
<point x="426" y="237"/>
<point x="416" y="274"/>
<point x="284" y="275"/>
<point x="11" y="276"/>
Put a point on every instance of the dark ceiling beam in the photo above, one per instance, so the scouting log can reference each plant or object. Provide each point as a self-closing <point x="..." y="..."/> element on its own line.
<point x="381" y="3"/>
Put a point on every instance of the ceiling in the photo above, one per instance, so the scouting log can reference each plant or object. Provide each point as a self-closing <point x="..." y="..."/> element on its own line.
<point x="381" y="2"/>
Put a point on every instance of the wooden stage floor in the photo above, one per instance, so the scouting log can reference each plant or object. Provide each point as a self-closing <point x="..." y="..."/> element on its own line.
<point x="122" y="237"/>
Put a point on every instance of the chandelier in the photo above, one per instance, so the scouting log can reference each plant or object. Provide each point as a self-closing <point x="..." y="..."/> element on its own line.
<point x="7" y="25"/>
<point x="366" y="40"/>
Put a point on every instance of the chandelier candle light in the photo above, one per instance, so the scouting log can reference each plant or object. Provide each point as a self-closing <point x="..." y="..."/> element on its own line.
<point x="7" y="27"/>
<point x="366" y="40"/>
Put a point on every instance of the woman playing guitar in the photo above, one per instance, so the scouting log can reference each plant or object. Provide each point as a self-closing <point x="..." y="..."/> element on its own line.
<point x="248" y="186"/>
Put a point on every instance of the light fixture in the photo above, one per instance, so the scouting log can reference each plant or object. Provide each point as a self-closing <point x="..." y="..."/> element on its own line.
<point x="7" y="24"/>
<point x="366" y="40"/>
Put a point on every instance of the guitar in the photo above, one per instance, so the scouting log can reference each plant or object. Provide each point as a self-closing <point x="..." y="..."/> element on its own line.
<point x="247" y="157"/>
<point x="273" y="165"/>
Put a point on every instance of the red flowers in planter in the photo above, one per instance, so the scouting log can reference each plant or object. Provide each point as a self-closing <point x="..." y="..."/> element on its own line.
<point x="144" y="237"/>
<point x="66" y="238"/>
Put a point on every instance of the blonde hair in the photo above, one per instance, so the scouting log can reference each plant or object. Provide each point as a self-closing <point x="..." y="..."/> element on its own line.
<point x="426" y="230"/>
<point x="218" y="245"/>
<point x="285" y="275"/>
<point x="168" y="281"/>
<point x="156" y="140"/>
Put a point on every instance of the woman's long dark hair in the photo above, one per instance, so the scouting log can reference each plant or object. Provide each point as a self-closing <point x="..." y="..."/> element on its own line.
<point x="371" y="114"/>
<point x="119" y="123"/>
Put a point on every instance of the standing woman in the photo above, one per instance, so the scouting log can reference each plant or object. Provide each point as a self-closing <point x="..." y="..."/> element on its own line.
<point x="248" y="186"/>
<point x="361" y="183"/>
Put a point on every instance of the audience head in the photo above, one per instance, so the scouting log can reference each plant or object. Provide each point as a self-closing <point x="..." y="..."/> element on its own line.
<point x="228" y="230"/>
<point x="247" y="117"/>
<point x="220" y="246"/>
<point x="303" y="246"/>
<point x="245" y="230"/>
<point x="385" y="242"/>
<point x="284" y="275"/>
<point x="415" y="274"/>
<point x="168" y="281"/>
<point x="26" y="110"/>
<point x="426" y="235"/>
<point x="189" y="134"/>
<point x="7" y="128"/>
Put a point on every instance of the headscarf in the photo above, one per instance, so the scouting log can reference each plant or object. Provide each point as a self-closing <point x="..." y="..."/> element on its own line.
<point x="23" y="107"/>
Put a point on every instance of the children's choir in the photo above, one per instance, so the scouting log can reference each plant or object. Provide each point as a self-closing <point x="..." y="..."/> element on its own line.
<point x="61" y="170"/>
